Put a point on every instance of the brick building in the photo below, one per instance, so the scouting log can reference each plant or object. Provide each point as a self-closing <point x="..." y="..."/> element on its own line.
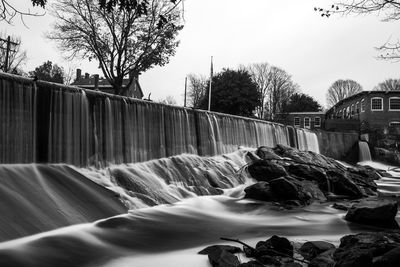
<point x="308" y="120"/>
<point x="95" y="83"/>
<point x="367" y="110"/>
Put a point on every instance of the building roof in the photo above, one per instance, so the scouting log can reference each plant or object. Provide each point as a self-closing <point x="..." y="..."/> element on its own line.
<point x="308" y="113"/>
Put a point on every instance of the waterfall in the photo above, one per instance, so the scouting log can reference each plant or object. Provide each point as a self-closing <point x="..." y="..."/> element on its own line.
<point x="90" y="128"/>
<point x="363" y="151"/>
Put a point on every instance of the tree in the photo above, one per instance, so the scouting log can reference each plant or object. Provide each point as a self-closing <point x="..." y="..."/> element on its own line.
<point x="389" y="9"/>
<point x="233" y="92"/>
<point x="123" y="41"/>
<point x="49" y="72"/>
<point x="342" y="89"/>
<point x="388" y="85"/>
<point x="301" y="103"/>
<point x="16" y="57"/>
<point x="261" y="75"/>
<point x="280" y="89"/>
<point x="197" y="87"/>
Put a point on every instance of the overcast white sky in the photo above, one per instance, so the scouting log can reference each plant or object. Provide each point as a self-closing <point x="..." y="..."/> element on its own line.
<point x="286" y="33"/>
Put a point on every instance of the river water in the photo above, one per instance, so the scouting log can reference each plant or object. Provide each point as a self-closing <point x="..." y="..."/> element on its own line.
<point x="171" y="215"/>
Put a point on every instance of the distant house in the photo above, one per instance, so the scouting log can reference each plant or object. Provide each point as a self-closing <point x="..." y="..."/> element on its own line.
<point x="308" y="120"/>
<point x="95" y="83"/>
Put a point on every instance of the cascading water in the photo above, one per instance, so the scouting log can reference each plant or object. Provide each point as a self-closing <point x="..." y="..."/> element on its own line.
<point x="363" y="153"/>
<point x="87" y="128"/>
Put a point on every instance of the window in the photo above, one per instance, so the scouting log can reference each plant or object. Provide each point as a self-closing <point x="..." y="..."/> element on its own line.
<point x="317" y="122"/>
<point x="296" y="121"/>
<point x="394" y="124"/>
<point x="352" y="109"/>
<point x="307" y="122"/>
<point x="362" y="105"/>
<point x="358" y="107"/>
<point x="394" y="103"/>
<point x="376" y="103"/>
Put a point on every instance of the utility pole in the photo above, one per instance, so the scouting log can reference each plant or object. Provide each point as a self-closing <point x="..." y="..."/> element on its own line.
<point x="209" y="88"/>
<point x="184" y="104"/>
<point x="8" y="50"/>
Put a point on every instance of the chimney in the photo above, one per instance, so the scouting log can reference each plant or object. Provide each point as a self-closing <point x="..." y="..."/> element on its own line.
<point x="96" y="82"/>
<point x="86" y="75"/>
<point x="78" y="74"/>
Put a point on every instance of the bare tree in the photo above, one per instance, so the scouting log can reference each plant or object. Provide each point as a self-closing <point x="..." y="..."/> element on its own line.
<point x="197" y="88"/>
<point x="9" y="10"/>
<point x="280" y="89"/>
<point x="261" y="75"/>
<point x="341" y="89"/>
<point x="123" y="41"/>
<point x="388" y="85"/>
<point x="12" y="57"/>
<point x="388" y="9"/>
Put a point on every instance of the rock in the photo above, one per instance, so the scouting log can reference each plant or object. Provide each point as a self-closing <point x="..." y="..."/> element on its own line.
<point x="285" y="188"/>
<point x="379" y="213"/>
<point x="275" y="246"/>
<point x="269" y="260"/>
<point x="264" y="170"/>
<point x="324" y="259"/>
<point x="309" y="173"/>
<point x="360" y="249"/>
<point x="292" y="264"/>
<point x="389" y="259"/>
<point x="221" y="258"/>
<point x="259" y="191"/>
<point x="353" y="258"/>
<point x="228" y="248"/>
<point x="341" y="185"/>
<point x="311" y="249"/>
<point x="266" y="153"/>
<point x="251" y="264"/>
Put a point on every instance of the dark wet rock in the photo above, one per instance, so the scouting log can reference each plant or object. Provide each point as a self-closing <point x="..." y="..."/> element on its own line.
<point x="259" y="191"/>
<point x="221" y="258"/>
<point x="341" y="185"/>
<point x="267" y="153"/>
<point x="285" y="189"/>
<point x="269" y="260"/>
<point x="275" y="246"/>
<point x="251" y="264"/>
<point x="379" y="213"/>
<point x="292" y="264"/>
<point x="309" y="173"/>
<point x="324" y="259"/>
<point x="264" y="170"/>
<point x="353" y="258"/>
<point x="311" y="249"/>
<point x="361" y="249"/>
<point x="228" y="248"/>
<point x="389" y="259"/>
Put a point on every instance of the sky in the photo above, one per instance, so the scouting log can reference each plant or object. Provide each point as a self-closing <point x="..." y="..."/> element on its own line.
<point x="288" y="34"/>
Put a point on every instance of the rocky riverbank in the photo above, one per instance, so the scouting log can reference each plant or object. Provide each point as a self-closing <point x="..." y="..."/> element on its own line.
<point x="291" y="178"/>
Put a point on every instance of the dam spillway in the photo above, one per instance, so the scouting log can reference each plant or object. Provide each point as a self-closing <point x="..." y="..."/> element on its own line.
<point x="52" y="123"/>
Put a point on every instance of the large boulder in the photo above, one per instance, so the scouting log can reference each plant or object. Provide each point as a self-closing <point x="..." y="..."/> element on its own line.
<point x="265" y="170"/>
<point x="365" y="248"/>
<point x="221" y="258"/>
<point x="275" y="246"/>
<point x="376" y="212"/>
<point x="228" y="248"/>
<point x="259" y="191"/>
<point x="341" y="185"/>
<point x="309" y="173"/>
<point x="325" y="259"/>
<point x="389" y="259"/>
<point x="267" y="153"/>
<point x="312" y="249"/>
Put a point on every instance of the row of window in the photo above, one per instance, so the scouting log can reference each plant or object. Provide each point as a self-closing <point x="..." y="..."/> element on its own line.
<point x="307" y="122"/>
<point x="376" y="105"/>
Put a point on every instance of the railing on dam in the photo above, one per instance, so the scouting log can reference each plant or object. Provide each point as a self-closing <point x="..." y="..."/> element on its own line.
<point x="53" y="123"/>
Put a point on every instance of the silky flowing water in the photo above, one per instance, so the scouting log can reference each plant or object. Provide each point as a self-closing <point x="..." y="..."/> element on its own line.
<point x="172" y="216"/>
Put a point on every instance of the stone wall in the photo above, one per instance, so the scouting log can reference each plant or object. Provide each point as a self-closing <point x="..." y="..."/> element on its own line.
<point x="337" y="145"/>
